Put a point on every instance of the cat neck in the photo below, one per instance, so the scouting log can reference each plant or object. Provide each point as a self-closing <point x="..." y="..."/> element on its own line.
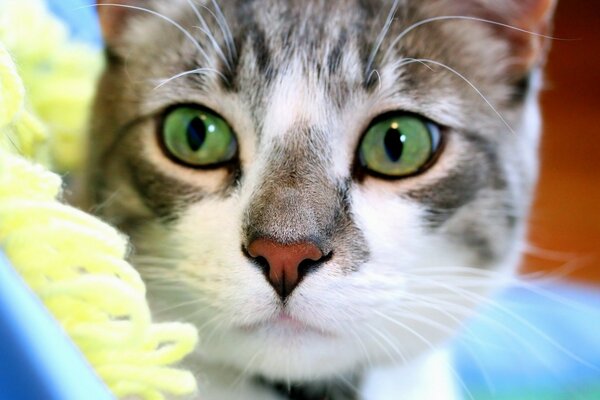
<point x="429" y="377"/>
<point x="336" y="389"/>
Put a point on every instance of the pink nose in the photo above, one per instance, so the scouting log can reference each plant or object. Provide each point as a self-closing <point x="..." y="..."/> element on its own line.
<point x="285" y="262"/>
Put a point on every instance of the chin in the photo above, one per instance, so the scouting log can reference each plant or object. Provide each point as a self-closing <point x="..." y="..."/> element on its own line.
<point x="283" y="353"/>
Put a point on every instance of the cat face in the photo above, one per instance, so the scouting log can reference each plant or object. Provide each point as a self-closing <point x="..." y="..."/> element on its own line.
<point x="319" y="186"/>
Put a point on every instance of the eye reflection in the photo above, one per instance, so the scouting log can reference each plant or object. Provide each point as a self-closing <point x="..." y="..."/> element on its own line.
<point x="198" y="137"/>
<point x="398" y="145"/>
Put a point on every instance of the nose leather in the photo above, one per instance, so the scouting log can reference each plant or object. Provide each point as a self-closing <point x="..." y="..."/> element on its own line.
<point x="284" y="262"/>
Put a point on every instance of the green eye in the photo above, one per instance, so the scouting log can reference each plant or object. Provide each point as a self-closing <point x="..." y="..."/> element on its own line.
<point x="399" y="145"/>
<point x="198" y="137"/>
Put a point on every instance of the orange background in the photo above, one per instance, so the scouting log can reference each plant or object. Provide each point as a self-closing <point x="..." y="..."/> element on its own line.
<point x="565" y="222"/>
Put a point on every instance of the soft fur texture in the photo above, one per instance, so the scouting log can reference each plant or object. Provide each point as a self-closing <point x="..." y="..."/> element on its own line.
<point x="299" y="82"/>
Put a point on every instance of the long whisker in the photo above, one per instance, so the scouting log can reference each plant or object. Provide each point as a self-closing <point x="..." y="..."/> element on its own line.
<point x="222" y="22"/>
<point x="215" y="44"/>
<point x="467" y="311"/>
<point x="361" y="343"/>
<point x="246" y="371"/>
<point x="430" y="322"/>
<point x="560" y="273"/>
<point x="380" y="38"/>
<point x="516" y="317"/>
<point x="491" y="279"/>
<point x="214" y="331"/>
<point x="405" y="327"/>
<point x="349" y="384"/>
<point x="467" y="336"/>
<point x="389" y="343"/>
<point x="458" y="17"/>
<point x="547" y="254"/>
<point x="178" y="306"/>
<point x="206" y="30"/>
<point x="465" y="79"/>
<point x="198" y="71"/>
<point x="108" y="199"/>
<point x="460" y="381"/>
<point x="163" y="17"/>
<point x="427" y="343"/>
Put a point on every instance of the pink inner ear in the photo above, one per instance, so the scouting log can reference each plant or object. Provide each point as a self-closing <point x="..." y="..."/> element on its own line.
<point x="530" y="15"/>
<point x="534" y="15"/>
<point x="113" y="17"/>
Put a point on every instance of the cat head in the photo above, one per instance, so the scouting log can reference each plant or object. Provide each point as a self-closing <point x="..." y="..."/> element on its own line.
<point x="319" y="185"/>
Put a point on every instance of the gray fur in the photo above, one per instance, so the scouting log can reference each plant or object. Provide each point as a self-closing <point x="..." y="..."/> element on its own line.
<point x="478" y="204"/>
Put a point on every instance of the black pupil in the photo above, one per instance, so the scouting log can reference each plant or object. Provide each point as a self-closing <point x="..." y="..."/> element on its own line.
<point x="196" y="133"/>
<point x="393" y="144"/>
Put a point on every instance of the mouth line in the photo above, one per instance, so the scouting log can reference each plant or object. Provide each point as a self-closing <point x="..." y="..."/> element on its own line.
<point x="286" y="322"/>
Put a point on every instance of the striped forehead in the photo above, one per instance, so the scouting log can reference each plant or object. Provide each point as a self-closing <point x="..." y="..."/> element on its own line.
<point x="295" y="102"/>
<point x="305" y="121"/>
<point x="321" y="43"/>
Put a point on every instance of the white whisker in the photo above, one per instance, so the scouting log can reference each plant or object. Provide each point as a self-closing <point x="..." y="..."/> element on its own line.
<point x="177" y="306"/>
<point x="206" y="30"/>
<point x="215" y="44"/>
<point x="362" y="346"/>
<point x="460" y="381"/>
<point x="457" y="17"/>
<point x="467" y="312"/>
<point x="481" y="278"/>
<point x="484" y="300"/>
<point x="466" y="80"/>
<point x="246" y="371"/>
<point x="430" y="345"/>
<point x="198" y="71"/>
<point x="467" y="336"/>
<point x="349" y="384"/>
<point x="389" y="342"/>
<point x="375" y="72"/>
<point x="224" y="26"/>
<point x="430" y="322"/>
<point x="405" y="327"/>
<point x="163" y="17"/>
<point x="380" y="38"/>
<point x="108" y="199"/>
<point x="547" y="254"/>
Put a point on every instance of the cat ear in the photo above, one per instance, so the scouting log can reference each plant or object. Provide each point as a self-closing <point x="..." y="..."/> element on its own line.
<point x="113" y="15"/>
<point x="533" y="16"/>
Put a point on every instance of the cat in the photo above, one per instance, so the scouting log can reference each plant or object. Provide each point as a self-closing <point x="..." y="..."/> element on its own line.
<point x="326" y="189"/>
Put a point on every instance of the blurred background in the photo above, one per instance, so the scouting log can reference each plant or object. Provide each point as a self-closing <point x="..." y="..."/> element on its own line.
<point x="551" y="349"/>
<point x="565" y="224"/>
<point x="533" y="342"/>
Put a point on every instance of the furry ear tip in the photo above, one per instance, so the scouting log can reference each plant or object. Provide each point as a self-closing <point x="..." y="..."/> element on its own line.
<point x="532" y="16"/>
<point x="535" y="15"/>
<point x="113" y="15"/>
<point x="524" y="14"/>
<point x="543" y="9"/>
